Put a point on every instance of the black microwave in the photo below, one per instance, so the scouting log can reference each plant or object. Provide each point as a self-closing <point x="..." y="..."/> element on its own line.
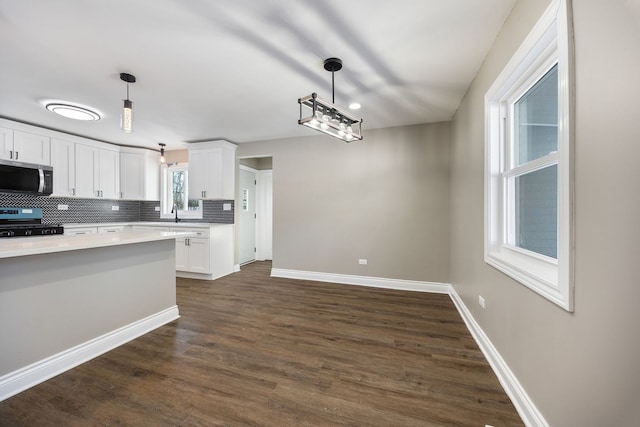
<point x="25" y="178"/>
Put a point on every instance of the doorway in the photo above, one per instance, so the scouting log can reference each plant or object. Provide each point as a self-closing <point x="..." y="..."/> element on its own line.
<point x="255" y="210"/>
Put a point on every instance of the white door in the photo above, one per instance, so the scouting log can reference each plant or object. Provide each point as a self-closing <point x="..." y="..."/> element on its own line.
<point x="265" y="215"/>
<point x="247" y="218"/>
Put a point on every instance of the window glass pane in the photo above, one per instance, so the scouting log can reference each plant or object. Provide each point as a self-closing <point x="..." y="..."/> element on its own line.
<point x="194" y="204"/>
<point x="178" y="185"/>
<point x="536" y="120"/>
<point x="536" y="211"/>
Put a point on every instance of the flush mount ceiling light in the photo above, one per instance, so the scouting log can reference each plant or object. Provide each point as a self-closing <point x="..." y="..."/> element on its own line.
<point x="126" y="122"/>
<point x="325" y="116"/>
<point x="72" y="111"/>
<point x="162" y="159"/>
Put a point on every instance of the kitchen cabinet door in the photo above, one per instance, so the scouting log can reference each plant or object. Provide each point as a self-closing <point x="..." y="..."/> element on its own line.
<point x="139" y="174"/>
<point x="131" y="176"/>
<point x="31" y="148"/>
<point x="197" y="175"/>
<point x="182" y="254"/>
<point x="212" y="170"/>
<point x="25" y="147"/>
<point x="63" y="160"/>
<point x="86" y="171"/>
<point x="6" y="143"/>
<point x="109" y="174"/>
<point x="97" y="172"/>
<point x="199" y="259"/>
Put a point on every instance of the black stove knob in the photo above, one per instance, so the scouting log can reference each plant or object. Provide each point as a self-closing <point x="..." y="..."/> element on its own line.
<point x="27" y="232"/>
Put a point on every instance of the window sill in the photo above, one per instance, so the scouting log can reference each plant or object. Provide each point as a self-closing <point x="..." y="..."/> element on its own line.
<point x="539" y="275"/>
<point x="181" y="215"/>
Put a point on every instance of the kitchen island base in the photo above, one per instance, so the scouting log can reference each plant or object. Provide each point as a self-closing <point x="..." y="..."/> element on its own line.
<point x="60" y="309"/>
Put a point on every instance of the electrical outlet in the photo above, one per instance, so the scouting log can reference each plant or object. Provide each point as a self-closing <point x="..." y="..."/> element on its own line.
<point x="362" y="261"/>
<point x="63" y="207"/>
<point x="115" y="208"/>
<point x="226" y="206"/>
<point x="481" y="301"/>
<point x="157" y="209"/>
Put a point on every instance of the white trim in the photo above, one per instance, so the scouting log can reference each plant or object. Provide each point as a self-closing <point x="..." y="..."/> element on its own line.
<point x="248" y="168"/>
<point x="236" y="268"/>
<point x="550" y="40"/>
<point x="527" y="410"/>
<point x="165" y="169"/>
<point x="31" y="375"/>
<point x="519" y="397"/>
<point x="374" y="282"/>
<point x="264" y="224"/>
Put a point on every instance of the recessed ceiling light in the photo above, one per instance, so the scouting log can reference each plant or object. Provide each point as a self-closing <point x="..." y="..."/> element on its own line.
<point x="73" y="111"/>
<point x="354" y="106"/>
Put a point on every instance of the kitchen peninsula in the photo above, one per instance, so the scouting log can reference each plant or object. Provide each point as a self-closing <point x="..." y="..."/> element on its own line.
<point x="67" y="299"/>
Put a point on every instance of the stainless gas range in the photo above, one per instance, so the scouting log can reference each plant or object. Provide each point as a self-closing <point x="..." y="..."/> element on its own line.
<point x="17" y="222"/>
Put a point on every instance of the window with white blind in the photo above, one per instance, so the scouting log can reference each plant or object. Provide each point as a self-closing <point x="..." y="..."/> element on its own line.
<point x="528" y="171"/>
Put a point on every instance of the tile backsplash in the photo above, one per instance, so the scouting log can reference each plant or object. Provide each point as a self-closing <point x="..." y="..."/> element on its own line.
<point x="100" y="210"/>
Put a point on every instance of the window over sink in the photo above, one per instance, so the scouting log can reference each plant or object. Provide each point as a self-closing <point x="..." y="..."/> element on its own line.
<point x="174" y="195"/>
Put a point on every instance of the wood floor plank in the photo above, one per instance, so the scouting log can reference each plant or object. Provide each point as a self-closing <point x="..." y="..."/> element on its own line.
<point x="252" y="350"/>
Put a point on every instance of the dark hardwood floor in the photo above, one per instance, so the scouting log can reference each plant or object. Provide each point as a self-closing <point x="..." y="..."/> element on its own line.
<point x="254" y="350"/>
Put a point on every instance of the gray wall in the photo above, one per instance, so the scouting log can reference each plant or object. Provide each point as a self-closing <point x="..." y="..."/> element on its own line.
<point x="579" y="368"/>
<point x="385" y="199"/>
<point x="53" y="302"/>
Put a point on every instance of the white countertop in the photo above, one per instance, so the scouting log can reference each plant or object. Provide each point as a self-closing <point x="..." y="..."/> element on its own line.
<point x="150" y="224"/>
<point x="21" y="246"/>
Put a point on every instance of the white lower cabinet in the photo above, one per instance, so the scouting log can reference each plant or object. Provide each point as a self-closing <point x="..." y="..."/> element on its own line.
<point x="205" y="253"/>
<point x="193" y="254"/>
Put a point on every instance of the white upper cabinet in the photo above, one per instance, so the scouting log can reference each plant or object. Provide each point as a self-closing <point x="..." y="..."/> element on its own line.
<point x="97" y="172"/>
<point x="139" y="174"/>
<point x="6" y="143"/>
<point x="211" y="170"/>
<point x="25" y="147"/>
<point x="63" y="161"/>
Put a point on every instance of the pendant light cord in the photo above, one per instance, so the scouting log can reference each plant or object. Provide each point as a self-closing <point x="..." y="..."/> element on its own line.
<point x="333" y="87"/>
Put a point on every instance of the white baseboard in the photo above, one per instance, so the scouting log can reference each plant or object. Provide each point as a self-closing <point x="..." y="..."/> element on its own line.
<point x="519" y="397"/>
<point x="521" y="400"/>
<point x="374" y="282"/>
<point x="31" y="375"/>
<point x="236" y="268"/>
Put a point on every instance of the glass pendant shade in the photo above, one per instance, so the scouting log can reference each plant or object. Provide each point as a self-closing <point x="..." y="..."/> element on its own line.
<point x="127" y="116"/>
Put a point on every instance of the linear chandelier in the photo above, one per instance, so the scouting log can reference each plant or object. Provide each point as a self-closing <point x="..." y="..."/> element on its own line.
<point x="325" y="116"/>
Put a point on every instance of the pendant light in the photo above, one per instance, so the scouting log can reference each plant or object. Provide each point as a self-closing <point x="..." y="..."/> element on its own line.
<point x="325" y="116"/>
<point x="127" y="112"/>
<point x="162" y="159"/>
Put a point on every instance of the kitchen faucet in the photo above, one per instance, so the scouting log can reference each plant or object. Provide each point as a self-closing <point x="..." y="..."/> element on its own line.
<point x="175" y="209"/>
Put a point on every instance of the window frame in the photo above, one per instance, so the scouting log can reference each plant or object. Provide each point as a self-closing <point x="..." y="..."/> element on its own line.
<point x="165" y="211"/>
<point x="549" y="43"/>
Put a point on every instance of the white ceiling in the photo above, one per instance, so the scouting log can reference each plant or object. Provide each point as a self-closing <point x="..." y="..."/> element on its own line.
<point x="234" y="69"/>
